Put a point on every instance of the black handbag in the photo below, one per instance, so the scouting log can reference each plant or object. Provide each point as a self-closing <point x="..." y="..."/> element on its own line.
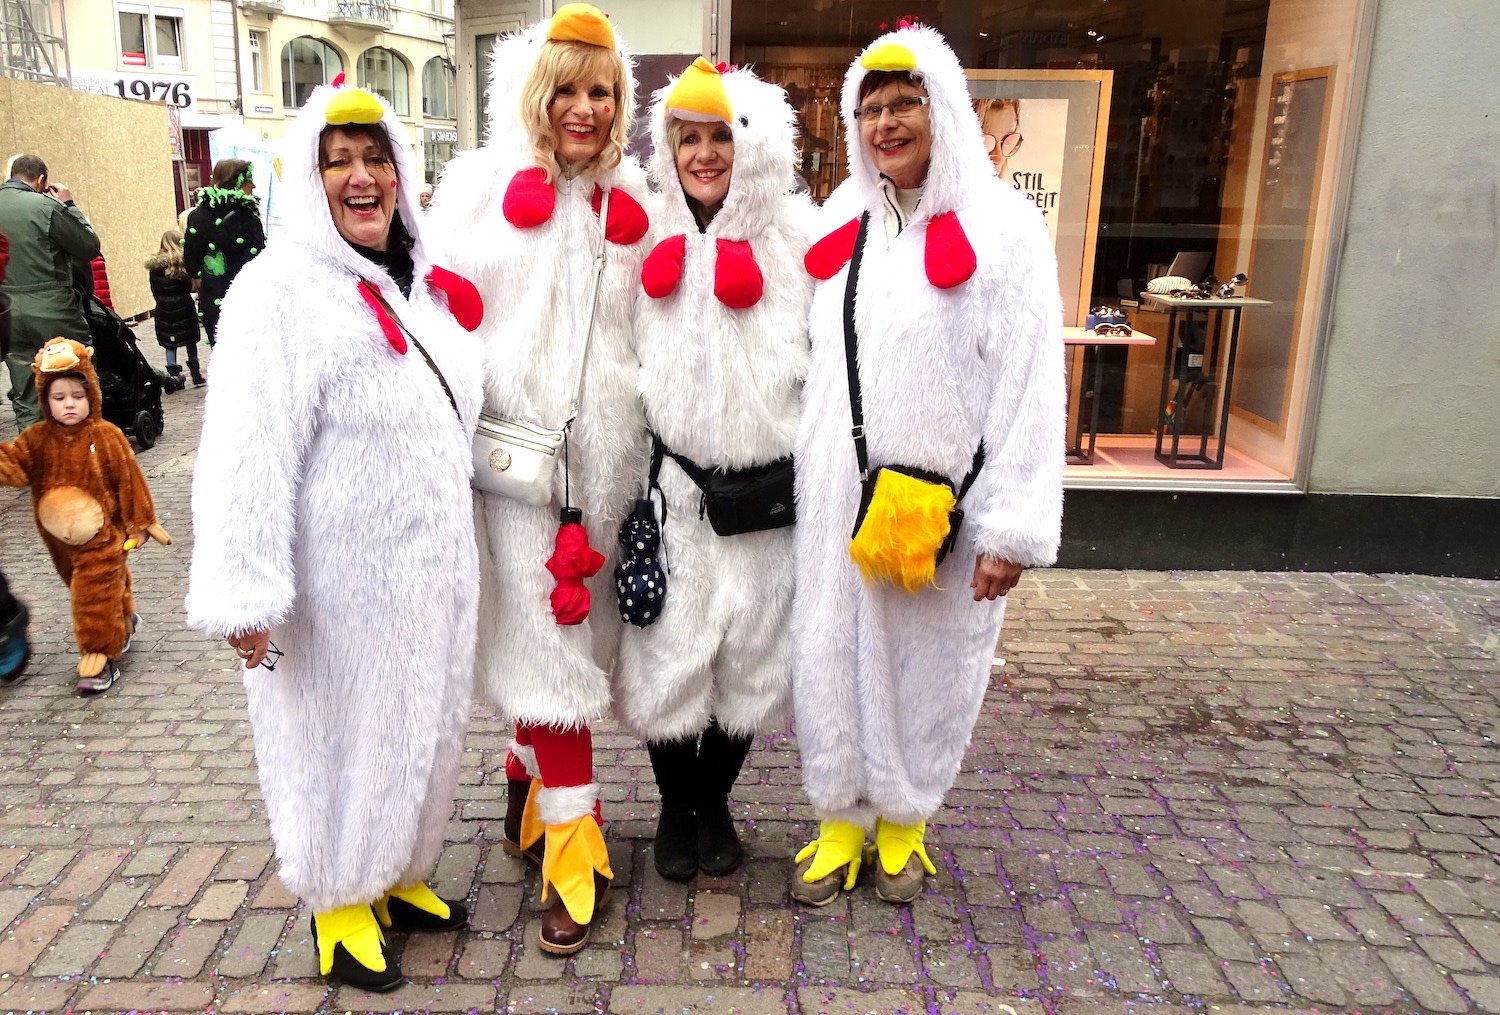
<point x="737" y="501"/>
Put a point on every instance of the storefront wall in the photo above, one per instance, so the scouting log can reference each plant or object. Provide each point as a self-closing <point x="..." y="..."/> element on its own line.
<point x="1411" y="390"/>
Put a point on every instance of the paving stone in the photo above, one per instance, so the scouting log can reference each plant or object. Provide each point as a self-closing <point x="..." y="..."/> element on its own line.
<point x="447" y="997"/>
<point x="426" y="956"/>
<point x="484" y="959"/>
<point x="1484" y="991"/>
<point x="251" y="948"/>
<point x="1314" y="919"/>
<point x="74" y="950"/>
<point x="275" y="895"/>
<point x="244" y="863"/>
<point x="1311" y="979"/>
<point x="189" y="950"/>
<point x="715" y="914"/>
<point x="1377" y="928"/>
<point x="819" y="1000"/>
<point x="135" y="943"/>
<point x="1424" y="981"/>
<point x="1483" y="936"/>
<point x="274" y="998"/>
<point x="30" y="935"/>
<point x="187" y="875"/>
<point x="1255" y="981"/>
<point x="1121" y="961"/>
<point x="174" y="997"/>
<point x="13" y="902"/>
<point x="43" y="866"/>
<point x="1450" y="954"/>
<point x="824" y="948"/>
<point x="35" y="995"/>
<point x="221" y="901"/>
<point x="88" y="874"/>
<point x="1225" y="942"/>
<point x="148" y="861"/>
<point x="1191" y="972"/>
<point x="769" y="956"/>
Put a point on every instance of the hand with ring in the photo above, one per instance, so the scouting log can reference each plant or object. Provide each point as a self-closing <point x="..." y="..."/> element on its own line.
<point x="251" y="646"/>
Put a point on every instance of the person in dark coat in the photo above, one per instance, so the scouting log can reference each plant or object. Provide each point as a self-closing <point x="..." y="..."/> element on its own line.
<point x="176" y="316"/>
<point x="223" y="234"/>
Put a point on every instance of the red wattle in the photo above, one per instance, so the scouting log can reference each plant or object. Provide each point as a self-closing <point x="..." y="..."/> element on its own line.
<point x="338" y="80"/>
<point x="627" y="219"/>
<point x="737" y="279"/>
<point x="529" y="199"/>
<point x="827" y="257"/>
<point x="464" y="301"/>
<point x="388" y="327"/>
<point x="948" y="257"/>
<point x="661" y="270"/>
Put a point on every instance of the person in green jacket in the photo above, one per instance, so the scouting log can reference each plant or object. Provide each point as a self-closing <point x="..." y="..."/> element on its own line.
<point x="48" y="234"/>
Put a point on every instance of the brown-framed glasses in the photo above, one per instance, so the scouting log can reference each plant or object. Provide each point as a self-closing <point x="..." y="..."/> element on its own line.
<point x="1008" y="144"/>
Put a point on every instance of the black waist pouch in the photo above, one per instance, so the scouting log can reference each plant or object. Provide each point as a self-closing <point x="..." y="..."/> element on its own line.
<point x="737" y="501"/>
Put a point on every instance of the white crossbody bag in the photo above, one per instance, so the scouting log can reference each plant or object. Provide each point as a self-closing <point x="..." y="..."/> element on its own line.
<point x="517" y="459"/>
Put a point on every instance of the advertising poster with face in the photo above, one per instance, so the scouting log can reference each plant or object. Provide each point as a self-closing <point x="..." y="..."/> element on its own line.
<point x="1044" y="131"/>
<point x="1026" y="140"/>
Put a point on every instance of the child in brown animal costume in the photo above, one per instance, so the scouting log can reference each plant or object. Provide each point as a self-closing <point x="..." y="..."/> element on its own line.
<point x="91" y="502"/>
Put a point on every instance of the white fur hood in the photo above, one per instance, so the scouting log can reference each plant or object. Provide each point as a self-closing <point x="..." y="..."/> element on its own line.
<point x="765" y="149"/>
<point x="959" y="163"/>
<point x="305" y="219"/>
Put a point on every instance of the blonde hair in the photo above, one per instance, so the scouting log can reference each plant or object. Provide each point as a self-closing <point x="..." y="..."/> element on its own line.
<point x="984" y="107"/>
<point x="558" y="63"/>
<point x="169" y="257"/>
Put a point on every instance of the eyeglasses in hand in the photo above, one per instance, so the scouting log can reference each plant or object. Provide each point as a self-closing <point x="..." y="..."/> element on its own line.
<point x="901" y="108"/>
<point x="273" y="656"/>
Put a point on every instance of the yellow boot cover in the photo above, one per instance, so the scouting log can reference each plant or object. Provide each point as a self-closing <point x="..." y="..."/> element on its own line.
<point x="896" y="843"/>
<point x="902" y="530"/>
<point x="532" y="828"/>
<point x="838" y="843"/>
<point x="418" y="895"/>
<point x="575" y="851"/>
<point x="355" y="928"/>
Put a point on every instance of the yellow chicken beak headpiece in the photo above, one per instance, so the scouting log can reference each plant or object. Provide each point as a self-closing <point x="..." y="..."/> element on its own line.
<point x="354" y="105"/>
<point x="891" y="57"/>
<point x="699" y="95"/>
<point x="581" y="23"/>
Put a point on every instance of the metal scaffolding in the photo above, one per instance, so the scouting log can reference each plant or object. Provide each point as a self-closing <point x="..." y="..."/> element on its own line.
<point x="31" y="48"/>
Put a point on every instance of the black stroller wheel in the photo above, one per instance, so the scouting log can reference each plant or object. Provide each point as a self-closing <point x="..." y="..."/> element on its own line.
<point x="145" y="430"/>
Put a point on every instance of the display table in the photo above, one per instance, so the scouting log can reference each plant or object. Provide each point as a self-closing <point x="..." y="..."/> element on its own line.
<point x="1197" y="372"/>
<point x="1086" y="340"/>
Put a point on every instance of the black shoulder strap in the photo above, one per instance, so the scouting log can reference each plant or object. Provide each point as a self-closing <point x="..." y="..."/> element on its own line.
<point x="851" y="350"/>
<point x="402" y="325"/>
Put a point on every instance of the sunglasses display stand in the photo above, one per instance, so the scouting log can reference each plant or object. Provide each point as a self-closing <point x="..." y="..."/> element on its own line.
<point x="1091" y="384"/>
<point x="1190" y="380"/>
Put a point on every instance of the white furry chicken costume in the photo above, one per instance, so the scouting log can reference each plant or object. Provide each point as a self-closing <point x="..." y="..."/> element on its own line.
<point x="535" y="277"/>
<point x="331" y="507"/>
<point x="959" y="334"/>
<point x="720" y="382"/>
<point x="527" y="235"/>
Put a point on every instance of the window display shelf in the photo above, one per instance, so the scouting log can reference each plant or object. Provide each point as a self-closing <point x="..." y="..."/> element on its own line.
<point x="1082" y="338"/>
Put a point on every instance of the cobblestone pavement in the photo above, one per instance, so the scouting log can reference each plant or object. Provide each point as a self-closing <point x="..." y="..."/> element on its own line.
<point x="1188" y="792"/>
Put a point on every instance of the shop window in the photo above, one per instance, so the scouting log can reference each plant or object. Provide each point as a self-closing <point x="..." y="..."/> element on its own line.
<point x="257" y="49"/>
<point x="385" y="74"/>
<point x="306" y="63"/>
<point x="1206" y="143"/>
<point x="150" y="37"/>
<point x="435" y="156"/>
<point x="437" y="89"/>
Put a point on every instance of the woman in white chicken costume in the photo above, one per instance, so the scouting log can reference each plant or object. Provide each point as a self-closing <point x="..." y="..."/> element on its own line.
<point x="521" y="216"/>
<point x="957" y="323"/>
<point x="334" y="529"/>
<point x="722" y="338"/>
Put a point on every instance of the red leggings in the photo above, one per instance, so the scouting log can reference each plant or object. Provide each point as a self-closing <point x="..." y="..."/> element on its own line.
<point x="564" y="757"/>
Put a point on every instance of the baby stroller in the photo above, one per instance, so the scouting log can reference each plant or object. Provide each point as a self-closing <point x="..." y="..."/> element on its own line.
<point x="130" y="389"/>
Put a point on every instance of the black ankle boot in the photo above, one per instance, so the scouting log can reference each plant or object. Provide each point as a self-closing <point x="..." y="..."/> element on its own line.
<point x="720" y="757"/>
<point x="676" y="843"/>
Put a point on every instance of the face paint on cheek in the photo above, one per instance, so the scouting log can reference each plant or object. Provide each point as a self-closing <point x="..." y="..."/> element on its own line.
<point x="606" y="110"/>
<point x="393" y="184"/>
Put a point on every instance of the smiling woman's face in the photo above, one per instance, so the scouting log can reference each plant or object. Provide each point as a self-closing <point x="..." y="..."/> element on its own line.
<point x="360" y="182"/>
<point x="898" y="146"/>
<point x="705" y="162"/>
<point x="581" y="113"/>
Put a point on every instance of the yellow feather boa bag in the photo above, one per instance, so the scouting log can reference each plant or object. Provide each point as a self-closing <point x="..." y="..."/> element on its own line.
<point x="908" y="520"/>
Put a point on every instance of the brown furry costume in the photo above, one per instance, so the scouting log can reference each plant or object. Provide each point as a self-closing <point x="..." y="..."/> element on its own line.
<point x="89" y="497"/>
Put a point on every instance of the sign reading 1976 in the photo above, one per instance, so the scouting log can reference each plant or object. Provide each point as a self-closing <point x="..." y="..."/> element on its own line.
<point x="172" y="89"/>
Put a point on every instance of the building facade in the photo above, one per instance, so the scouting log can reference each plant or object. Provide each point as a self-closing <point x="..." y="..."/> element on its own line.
<point x="1334" y="410"/>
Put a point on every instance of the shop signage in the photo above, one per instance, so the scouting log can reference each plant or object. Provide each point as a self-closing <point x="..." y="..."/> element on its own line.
<point x="442" y="135"/>
<point x="265" y="109"/>
<point x="172" y="89"/>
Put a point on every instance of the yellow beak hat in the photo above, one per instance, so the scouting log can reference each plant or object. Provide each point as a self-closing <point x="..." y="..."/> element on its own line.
<point x="581" y="23"/>
<point x="699" y="95"/>
<point x="352" y="105"/>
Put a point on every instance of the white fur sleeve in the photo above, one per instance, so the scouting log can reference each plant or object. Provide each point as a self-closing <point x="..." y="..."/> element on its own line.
<point x="1015" y="507"/>
<point x="257" y="425"/>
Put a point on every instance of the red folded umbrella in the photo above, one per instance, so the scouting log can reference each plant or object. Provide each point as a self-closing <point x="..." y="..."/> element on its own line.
<point x="572" y="560"/>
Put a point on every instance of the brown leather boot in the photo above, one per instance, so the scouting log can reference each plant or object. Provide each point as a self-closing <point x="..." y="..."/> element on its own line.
<point x="560" y="933"/>
<point x="518" y="796"/>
